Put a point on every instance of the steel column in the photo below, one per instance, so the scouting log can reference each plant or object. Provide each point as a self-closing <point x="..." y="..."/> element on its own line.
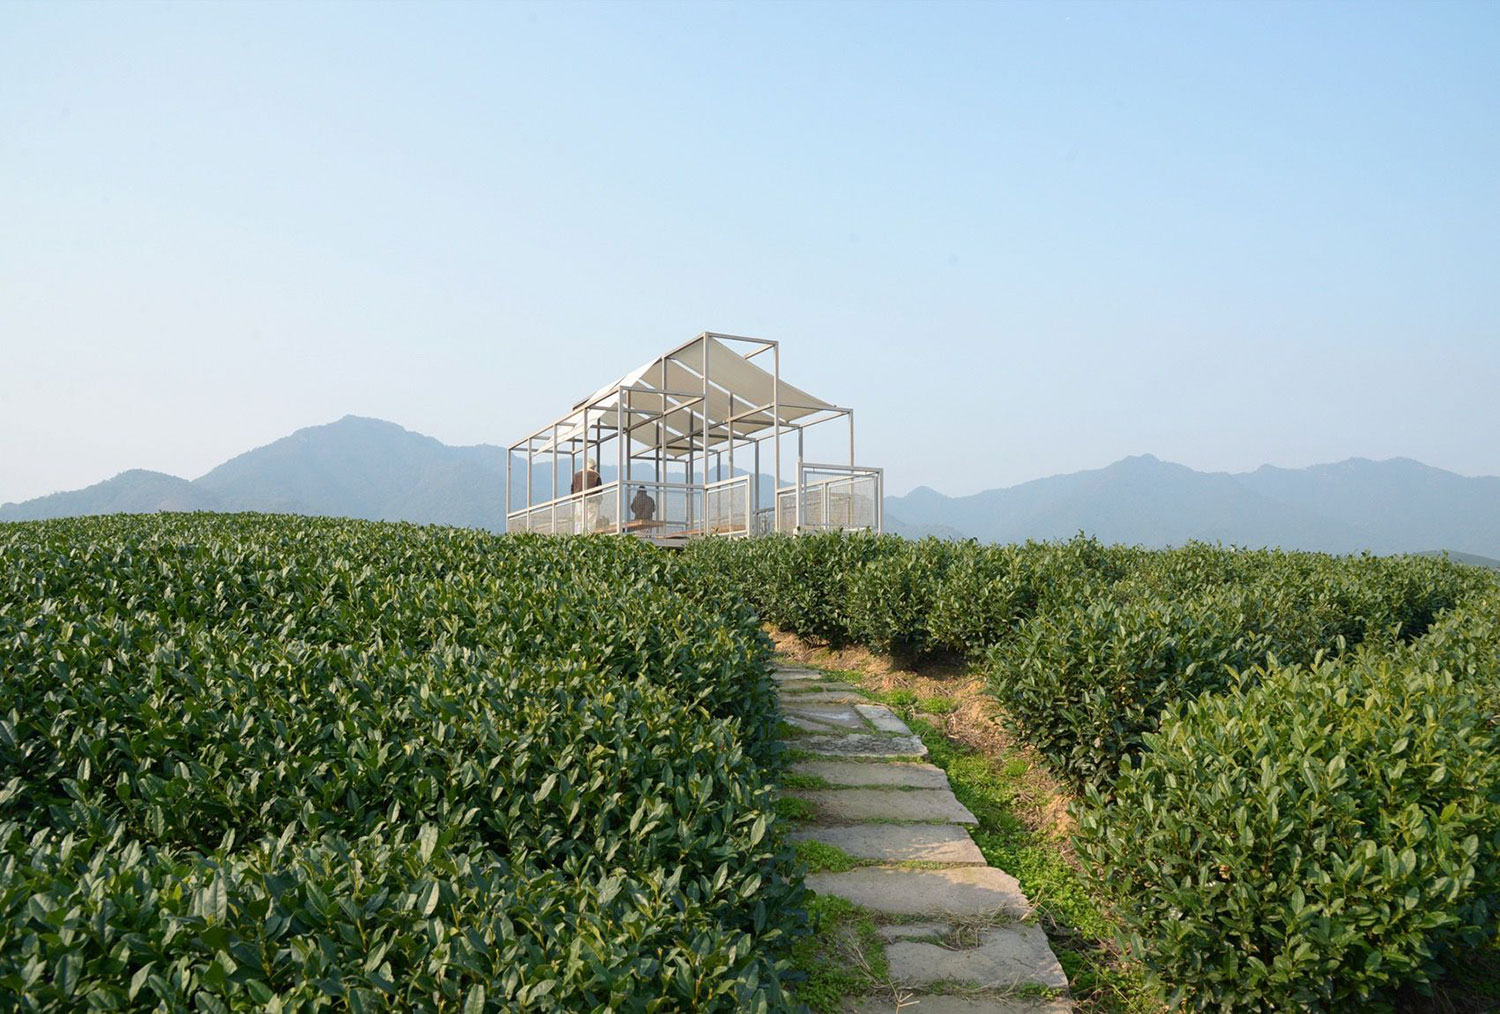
<point x="776" y="429"/>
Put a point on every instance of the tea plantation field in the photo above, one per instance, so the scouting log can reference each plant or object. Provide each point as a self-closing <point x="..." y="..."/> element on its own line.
<point x="1287" y="765"/>
<point x="268" y="763"/>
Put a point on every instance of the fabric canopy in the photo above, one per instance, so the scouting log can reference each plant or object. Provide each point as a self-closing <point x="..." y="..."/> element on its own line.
<point x="736" y="386"/>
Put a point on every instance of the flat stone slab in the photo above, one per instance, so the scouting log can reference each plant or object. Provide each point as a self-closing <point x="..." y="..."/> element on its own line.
<point x="933" y="805"/>
<point x="882" y="718"/>
<point x="792" y="688"/>
<point x="823" y="695"/>
<point x="914" y="930"/>
<point x="782" y="675"/>
<point x="902" y="774"/>
<point x="835" y="715"/>
<point x="1007" y="956"/>
<point x="864" y="744"/>
<point x="900" y="843"/>
<point x="806" y="724"/>
<point x="920" y="1003"/>
<point x="961" y="891"/>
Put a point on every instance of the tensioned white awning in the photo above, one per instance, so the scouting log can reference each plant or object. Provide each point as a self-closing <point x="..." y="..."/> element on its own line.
<point x="735" y="386"/>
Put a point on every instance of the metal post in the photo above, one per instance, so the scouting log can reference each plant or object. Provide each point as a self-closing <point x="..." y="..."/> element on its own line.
<point x="554" y="467"/>
<point x="530" y="446"/>
<point x="706" y="425"/>
<point x="661" y="440"/>
<point x="508" y="452"/>
<point x="851" y="438"/>
<point x="622" y="435"/>
<point x="754" y="497"/>
<point x="776" y="430"/>
<point x="801" y="479"/>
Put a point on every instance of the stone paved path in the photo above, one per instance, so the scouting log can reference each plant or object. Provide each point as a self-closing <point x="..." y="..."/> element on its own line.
<point x="924" y="878"/>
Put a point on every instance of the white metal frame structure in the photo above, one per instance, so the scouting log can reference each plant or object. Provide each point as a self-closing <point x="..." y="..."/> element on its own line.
<point x="683" y="436"/>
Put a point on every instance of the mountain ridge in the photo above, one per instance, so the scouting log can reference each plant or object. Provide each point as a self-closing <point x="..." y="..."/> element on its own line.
<point x="1400" y="505"/>
<point x="377" y="470"/>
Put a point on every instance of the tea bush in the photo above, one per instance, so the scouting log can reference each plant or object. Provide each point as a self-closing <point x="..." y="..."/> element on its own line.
<point x="986" y="592"/>
<point x="253" y="763"/>
<point x="1307" y="840"/>
<point x="983" y="593"/>
<point x="1087" y="675"/>
<point x="1370" y="595"/>
<point x="1084" y="682"/>
<point x="798" y="583"/>
<point x="1466" y="642"/>
<point x="892" y="593"/>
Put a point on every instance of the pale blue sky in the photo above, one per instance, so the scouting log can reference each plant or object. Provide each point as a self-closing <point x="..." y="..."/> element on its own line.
<point x="1018" y="239"/>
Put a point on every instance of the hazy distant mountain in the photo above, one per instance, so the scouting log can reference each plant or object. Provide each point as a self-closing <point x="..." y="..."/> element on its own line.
<point x="135" y="491"/>
<point x="1472" y="559"/>
<point x="1385" y="507"/>
<point x="356" y="467"/>
<point x="366" y="468"/>
<point x="1405" y="504"/>
<point x="900" y="526"/>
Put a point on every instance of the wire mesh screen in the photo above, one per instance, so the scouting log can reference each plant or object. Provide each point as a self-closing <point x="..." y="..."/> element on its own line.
<point x="596" y="510"/>
<point x="840" y="500"/>
<point x="831" y="499"/>
<point x="662" y="508"/>
<point x="786" y="511"/>
<point x="727" y="507"/>
<point x="764" y="521"/>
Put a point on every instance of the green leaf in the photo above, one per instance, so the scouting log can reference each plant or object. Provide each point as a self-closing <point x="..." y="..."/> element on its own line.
<point x="216" y="903"/>
<point x="139" y="979"/>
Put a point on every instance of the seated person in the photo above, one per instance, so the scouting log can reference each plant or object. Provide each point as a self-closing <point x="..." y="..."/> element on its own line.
<point x="642" y="507"/>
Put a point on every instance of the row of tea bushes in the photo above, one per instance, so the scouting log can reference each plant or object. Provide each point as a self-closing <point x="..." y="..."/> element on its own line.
<point x="1290" y="762"/>
<point x="1311" y="839"/>
<point x="1316" y="835"/>
<point x="1086" y="676"/>
<point x="906" y="597"/>
<point x="1086" y="644"/>
<point x="255" y="762"/>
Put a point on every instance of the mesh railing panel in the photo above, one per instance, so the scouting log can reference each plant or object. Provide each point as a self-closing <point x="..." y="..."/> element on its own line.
<point x="832" y="501"/>
<point x="786" y="514"/>
<point x="727" y="506"/>
<point x="662" y="508"/>
<point x="592" y="511"/>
